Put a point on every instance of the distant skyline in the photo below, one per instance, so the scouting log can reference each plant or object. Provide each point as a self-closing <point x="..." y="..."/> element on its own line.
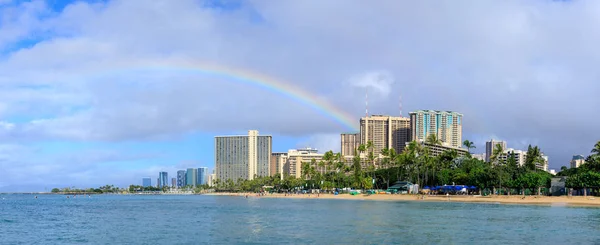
<point x="109" y="91"/>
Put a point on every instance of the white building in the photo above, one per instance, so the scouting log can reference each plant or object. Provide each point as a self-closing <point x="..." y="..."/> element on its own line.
<point x="242" y="156"/>
<point x="519" y="156"/>
<point x="481" y="156"/>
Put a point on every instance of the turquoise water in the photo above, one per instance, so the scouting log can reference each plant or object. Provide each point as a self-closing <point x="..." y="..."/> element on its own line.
<point x="115" y="219"/>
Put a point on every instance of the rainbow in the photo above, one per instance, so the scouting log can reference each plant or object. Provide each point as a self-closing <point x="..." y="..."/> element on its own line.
<point x="247" y="77"/>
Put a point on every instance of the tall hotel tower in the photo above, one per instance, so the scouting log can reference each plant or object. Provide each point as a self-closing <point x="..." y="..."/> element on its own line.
<point x="242" y="156"/>
<point x="386" y="132"/>
<point x="447" y="125"/>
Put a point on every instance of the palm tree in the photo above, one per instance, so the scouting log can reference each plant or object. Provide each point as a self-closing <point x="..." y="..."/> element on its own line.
<point x="596" y="149"/>
<point x="533" y="157"/>
<point x="496" y="152"/>
<point x="469" y="145"/>
<point x="433" y="140"/>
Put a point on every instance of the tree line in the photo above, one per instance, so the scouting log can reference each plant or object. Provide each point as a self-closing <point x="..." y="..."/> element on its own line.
<point x="501" y="175"/>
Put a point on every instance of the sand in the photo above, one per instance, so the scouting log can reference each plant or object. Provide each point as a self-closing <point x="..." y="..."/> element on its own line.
<point x="535" y="200"/>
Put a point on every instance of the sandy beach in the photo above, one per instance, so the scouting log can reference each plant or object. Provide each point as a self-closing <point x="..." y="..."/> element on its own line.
<point x="534" y="200"/>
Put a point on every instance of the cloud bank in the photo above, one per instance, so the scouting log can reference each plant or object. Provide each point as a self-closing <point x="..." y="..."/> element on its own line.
<point x="523" y="71"/>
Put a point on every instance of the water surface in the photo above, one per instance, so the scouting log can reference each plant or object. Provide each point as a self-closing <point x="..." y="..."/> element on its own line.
<point x="130" y="219"/>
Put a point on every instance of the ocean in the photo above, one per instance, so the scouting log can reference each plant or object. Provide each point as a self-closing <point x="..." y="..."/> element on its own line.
<point x="193" y="219"/>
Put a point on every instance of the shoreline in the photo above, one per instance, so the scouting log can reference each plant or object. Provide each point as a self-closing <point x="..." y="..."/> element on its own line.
<point x="573" y="201"/>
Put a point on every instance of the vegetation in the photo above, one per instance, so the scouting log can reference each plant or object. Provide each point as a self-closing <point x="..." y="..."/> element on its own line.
<point x="502" y="175"/>
<point x="587" y="176"/>
<point x="99" y="190"/>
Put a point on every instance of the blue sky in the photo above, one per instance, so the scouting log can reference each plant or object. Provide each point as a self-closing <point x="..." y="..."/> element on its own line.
<point x="68" y="119"/>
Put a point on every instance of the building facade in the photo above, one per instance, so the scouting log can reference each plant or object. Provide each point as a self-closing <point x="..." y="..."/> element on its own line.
<point x="202" y="175"/>
<point x="446" y="125"/>
<point x="489" y="148"/>
<point x="191" y="177"/>
<point x="163" y="179"/>
<point x="518" y="154"/>
<point x="436" y="150"/>
<point x="349" y="143"/>
<point x="295" y="159"/>
<point x="577" y="161"/>
<point x="181" y="179"/>
<point x="173" y="182"/>
<point x="385" y="132"/>
<point x="243" y="156"/>
<point x="211" y="178"/>
<point x="146" y="182"/>
<point x="278" y="160"/>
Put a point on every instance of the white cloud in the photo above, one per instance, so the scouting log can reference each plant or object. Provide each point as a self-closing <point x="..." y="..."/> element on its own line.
<point x="515" y="69"/>
<point x="379" y="81"/>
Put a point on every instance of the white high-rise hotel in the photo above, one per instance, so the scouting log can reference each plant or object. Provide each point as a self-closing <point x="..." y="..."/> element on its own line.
<point x="242" y="156"/>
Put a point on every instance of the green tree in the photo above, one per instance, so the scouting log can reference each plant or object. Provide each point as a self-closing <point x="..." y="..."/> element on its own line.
<point x="469" y="144"/>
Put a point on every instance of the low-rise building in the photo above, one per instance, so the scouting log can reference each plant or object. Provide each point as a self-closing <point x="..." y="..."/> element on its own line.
<point x="481" y="156"/>
<point x="518" y="154"/>
<point x="295" y="158"/>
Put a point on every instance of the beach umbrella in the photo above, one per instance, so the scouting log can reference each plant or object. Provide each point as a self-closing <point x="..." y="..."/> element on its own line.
<point x="426" y="187"/>
<point x="473" y="187"/>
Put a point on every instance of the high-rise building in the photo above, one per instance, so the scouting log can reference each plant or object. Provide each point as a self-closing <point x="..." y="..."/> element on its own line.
<point x="173" y="182"/>
<point x="446" y="125"/>
<point x="146" y="182"/>
<point x="349" y="143"/>
<point x="191" y="177"/>
<point x="577" y="161"/>
<point x="181" y="178"/>
<point x="202" y="172"/>
<point x="385" y="132"/>
<point x="489" y="148"/>
<point x="163" y="179"/>
<point x="242" y="156"/>
<point x="278" y="160"/>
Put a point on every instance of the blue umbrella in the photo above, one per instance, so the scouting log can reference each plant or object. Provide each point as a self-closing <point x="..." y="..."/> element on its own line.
<point x="458" y="188"/>
<point x="473" y="187"/>
<point x="426" y="187"/>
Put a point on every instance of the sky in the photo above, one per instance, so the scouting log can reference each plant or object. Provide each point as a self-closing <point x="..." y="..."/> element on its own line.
<point x="109" y="91"/>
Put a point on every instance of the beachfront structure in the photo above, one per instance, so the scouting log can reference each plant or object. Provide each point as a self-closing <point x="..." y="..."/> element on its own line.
<point x="211" y="178"/>
<point x="146" y="182"/>
<point x="181" y="179"/>
<point x="191" y="177"/>
<point x="349" y="143"/>
<point x="242" y="156"/>
<point x="173" y="182"/>
<point x="489" y="148"/>
<point x="385" y="132"/>
<point x="202" y="173"/>
<point x="277" y="162"/>
<point x="436" y="150"/>
<point x="518" y="154"/>
<point x="446" y="125"/>
<point x="163" y="179"/>
<point x="577" y="161"/>
<point x="295" y="158"/>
